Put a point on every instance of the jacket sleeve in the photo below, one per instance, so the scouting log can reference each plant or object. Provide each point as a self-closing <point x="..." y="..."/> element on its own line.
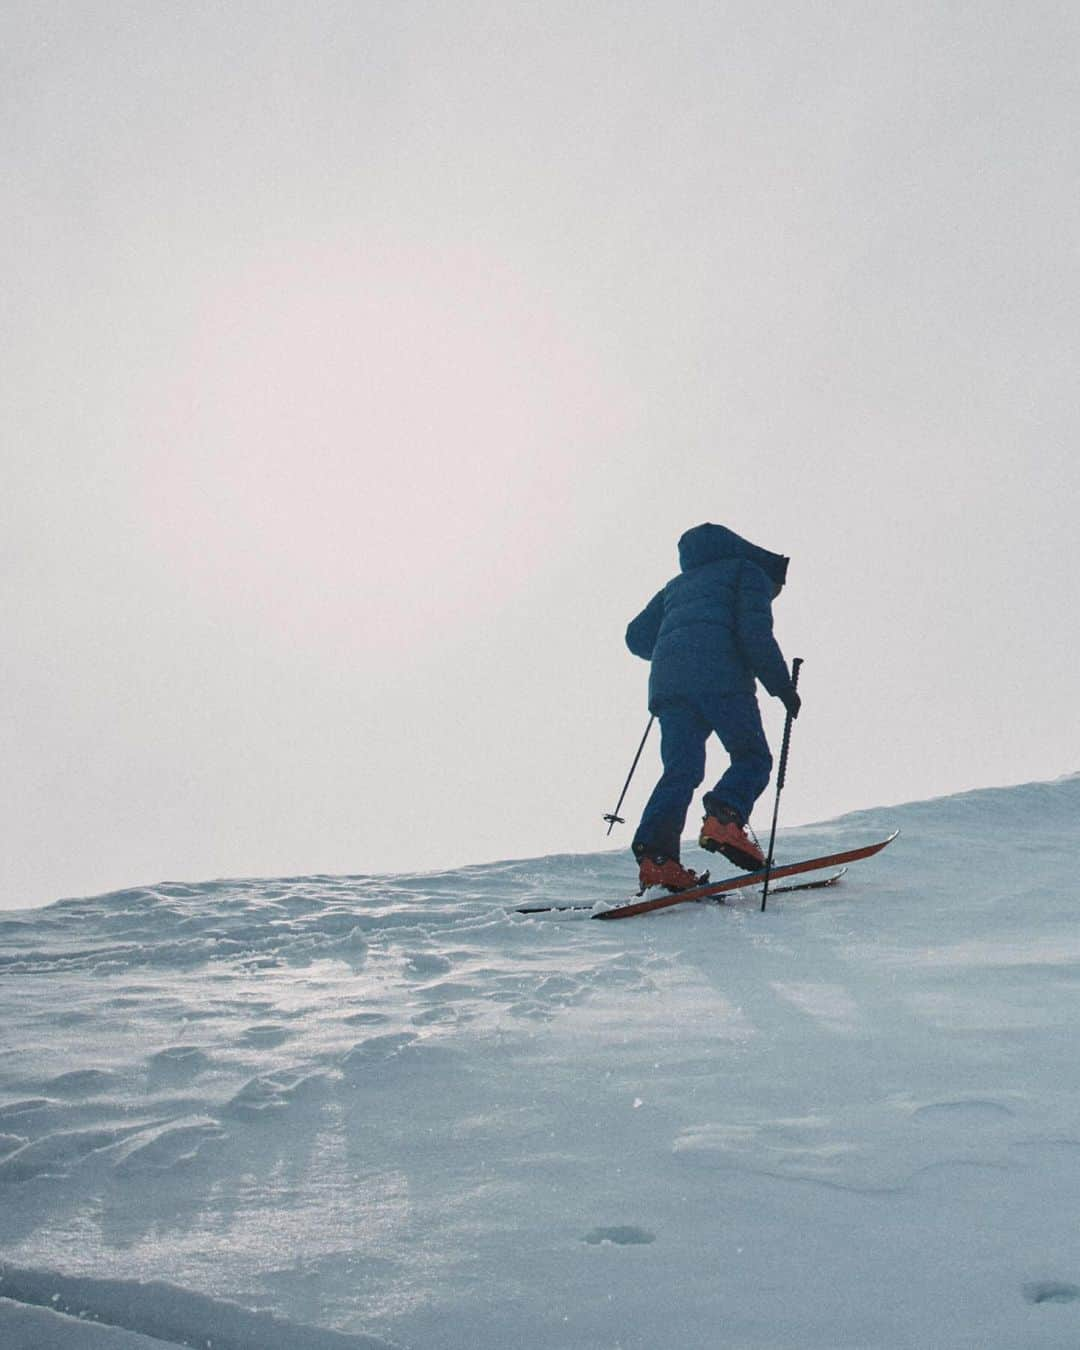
<point x="642" y="632"/>
<point x="754" y="630"/>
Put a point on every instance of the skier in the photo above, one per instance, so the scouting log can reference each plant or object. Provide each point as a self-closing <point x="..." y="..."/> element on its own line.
<point x="708" y="634"/>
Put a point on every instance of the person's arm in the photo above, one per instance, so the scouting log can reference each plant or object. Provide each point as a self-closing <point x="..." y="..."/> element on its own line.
<point x="641" y="634"/>
<point x="754" y="633"/>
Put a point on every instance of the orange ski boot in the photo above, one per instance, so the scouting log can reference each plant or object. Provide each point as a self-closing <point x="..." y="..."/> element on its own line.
<point x="656" y="870"/>
<point x="724" y="833"/>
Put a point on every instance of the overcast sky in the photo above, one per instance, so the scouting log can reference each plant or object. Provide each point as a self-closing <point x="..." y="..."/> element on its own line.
<point x="362" y="363"/>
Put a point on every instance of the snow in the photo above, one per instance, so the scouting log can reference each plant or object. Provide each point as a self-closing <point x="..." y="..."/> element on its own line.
<point x="359" y="1111"/>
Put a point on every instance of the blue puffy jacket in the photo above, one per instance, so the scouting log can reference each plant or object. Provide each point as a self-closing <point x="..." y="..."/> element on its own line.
<point x="709" y="630"/>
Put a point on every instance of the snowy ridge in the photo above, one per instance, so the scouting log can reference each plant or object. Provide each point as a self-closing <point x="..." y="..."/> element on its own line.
<point x="152" y="1313"/>
<point x="358" y="1110"/>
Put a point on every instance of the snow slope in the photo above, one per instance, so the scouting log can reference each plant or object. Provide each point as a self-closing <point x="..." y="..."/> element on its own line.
<point x="352" y="1111"/>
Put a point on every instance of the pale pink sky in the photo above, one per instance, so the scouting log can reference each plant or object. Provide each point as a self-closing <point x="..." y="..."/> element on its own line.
<point x="364" y="362"/>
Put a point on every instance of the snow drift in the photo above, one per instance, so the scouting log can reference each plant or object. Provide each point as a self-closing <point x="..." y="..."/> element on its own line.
<point x="358" y="1111"/>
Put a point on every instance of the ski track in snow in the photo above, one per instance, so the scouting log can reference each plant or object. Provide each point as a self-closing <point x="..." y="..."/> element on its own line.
<point x="352" y="1111"/>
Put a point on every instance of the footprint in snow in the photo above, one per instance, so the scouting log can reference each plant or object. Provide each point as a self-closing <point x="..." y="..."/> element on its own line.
<point x="269" y="1095"/>
<point x="170" y="1148"/>
<point x="10" y="1142"/>
<point x="366" y="1054"/>
<point x="622" y="1235"/>
<point x="27" y="1107"/>
<point x="971" y="1110"/>
<point x="422" y="965"/>
<point x="267" y="1035"/>
<point x="58" y="1154"/>
<point x="176" y="1064"/>
<point x="82" y="1083"/>
<point x="1051" y="1291"/>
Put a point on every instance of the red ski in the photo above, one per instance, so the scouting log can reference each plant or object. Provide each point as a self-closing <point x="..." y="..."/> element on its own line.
<point x="818" y="885"/>
<point x="746" y="879"/>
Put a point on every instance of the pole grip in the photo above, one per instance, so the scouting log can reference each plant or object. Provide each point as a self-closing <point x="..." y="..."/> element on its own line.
<point x="781" y="775"/>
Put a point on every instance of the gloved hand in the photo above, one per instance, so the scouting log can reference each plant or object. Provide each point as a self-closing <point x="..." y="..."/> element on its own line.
<point x="792" y="702"/>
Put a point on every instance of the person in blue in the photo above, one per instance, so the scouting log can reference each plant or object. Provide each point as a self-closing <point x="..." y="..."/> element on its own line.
<point x="709" y="637"/>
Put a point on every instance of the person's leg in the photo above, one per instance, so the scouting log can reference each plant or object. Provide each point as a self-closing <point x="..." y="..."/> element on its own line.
<point x="736" y="719"/>
<point x="683" y="733"/>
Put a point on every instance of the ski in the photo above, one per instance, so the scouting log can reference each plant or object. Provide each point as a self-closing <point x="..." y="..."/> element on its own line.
<point x="548" y="909"/>
<point x="818" y="885"/>
<point x="747" y="879"/>
<point x="775" y="890"/>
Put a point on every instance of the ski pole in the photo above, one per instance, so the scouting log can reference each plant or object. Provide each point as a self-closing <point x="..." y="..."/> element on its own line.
<point x="780" y="776"/>
<point x="613" y="818"/>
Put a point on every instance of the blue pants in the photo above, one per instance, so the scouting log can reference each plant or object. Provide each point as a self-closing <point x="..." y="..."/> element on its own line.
<point x="684" y="729"/>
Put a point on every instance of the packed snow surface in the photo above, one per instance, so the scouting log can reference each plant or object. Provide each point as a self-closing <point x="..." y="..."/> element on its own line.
<point x="357" y="1111"/>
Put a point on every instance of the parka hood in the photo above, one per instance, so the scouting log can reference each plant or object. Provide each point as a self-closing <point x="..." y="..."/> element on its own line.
<point x="715" y="543"/>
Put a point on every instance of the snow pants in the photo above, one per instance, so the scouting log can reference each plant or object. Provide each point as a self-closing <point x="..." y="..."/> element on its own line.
<point x="684" y="729"/>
